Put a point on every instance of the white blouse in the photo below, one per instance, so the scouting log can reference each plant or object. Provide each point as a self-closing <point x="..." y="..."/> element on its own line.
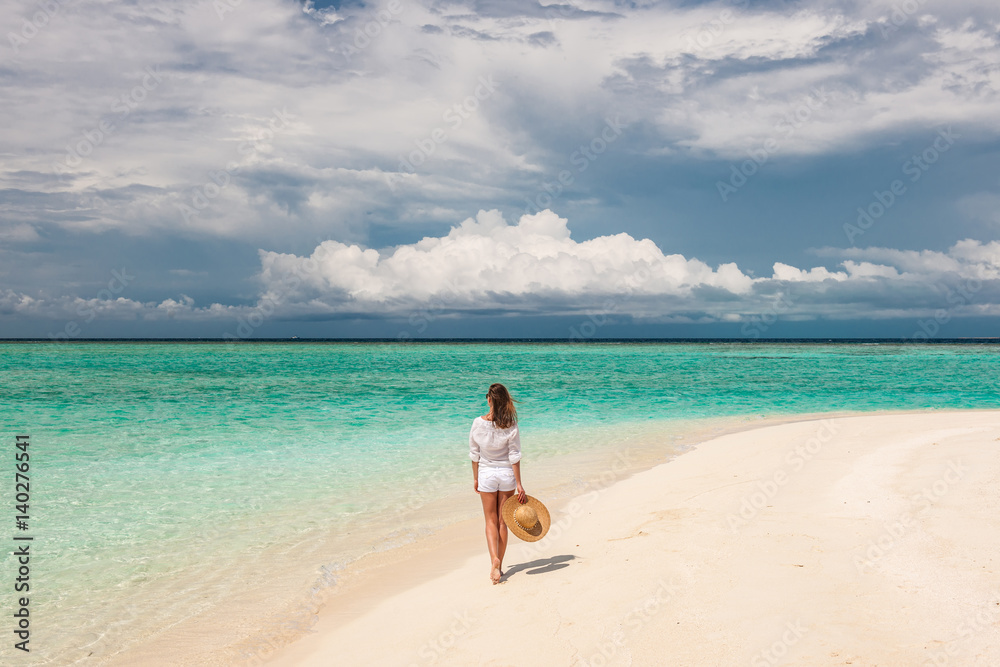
<point x="494" y="447"/>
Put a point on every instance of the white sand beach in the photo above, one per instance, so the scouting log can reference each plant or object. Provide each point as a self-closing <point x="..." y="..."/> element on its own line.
<point x="860" y="540"/>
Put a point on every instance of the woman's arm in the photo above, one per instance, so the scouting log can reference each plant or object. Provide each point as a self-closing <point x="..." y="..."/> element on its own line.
<point x="521" y="495"/>
<point x="474" y="455"/>
<point x="514" y="456"/>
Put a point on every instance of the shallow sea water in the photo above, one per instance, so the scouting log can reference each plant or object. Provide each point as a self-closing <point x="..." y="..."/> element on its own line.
<point x="167" y="478"/>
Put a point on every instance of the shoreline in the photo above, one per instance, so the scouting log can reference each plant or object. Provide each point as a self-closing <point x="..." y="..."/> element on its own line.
<point x="289" y="615"/>
<point x="453" y="552"/>
<point x="336" y="596"/>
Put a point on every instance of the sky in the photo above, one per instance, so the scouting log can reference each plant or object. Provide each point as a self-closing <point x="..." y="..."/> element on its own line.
<point x="247" y="169"/>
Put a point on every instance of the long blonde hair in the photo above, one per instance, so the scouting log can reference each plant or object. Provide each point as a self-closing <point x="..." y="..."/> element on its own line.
<point x="502" y="406"/>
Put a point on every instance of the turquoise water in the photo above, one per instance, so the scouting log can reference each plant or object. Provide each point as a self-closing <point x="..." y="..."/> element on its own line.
<point x="156" y="466"/>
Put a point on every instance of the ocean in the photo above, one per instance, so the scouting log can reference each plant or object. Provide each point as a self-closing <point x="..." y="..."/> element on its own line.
<point x="171" y="479"/>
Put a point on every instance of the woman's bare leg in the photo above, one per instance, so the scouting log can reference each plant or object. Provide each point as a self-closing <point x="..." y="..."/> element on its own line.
<point x="502" y="496"/>
<point x="492" y="532"/>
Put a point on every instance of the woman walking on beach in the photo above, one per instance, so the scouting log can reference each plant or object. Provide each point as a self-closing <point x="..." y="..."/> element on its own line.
<point x="495" y="450"/>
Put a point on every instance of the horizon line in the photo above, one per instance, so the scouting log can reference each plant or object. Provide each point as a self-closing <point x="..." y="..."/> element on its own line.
<point x="525" y="339"/>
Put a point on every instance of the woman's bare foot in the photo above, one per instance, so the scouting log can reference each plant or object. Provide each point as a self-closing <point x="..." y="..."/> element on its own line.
<point x="495" y="572"/>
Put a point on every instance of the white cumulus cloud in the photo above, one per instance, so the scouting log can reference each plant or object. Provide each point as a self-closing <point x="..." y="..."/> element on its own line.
<point x="487" y="266"/>
<point x="486" y="263"/>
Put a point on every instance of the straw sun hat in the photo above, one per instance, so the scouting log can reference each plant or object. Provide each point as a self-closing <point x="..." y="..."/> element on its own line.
<point x="529" y="521"/>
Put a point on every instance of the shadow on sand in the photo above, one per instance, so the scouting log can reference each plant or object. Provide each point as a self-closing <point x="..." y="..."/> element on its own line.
<point x="540" y="566"/>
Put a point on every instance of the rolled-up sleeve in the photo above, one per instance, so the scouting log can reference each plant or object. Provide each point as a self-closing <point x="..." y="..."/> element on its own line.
<point x="514" y="446"/>
<point x="473" y="445"/>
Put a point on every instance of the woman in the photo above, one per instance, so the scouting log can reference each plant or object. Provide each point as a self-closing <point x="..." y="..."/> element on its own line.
<point x="495" y="450"/>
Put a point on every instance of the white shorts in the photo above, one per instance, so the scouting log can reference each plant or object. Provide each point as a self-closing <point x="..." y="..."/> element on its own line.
<point x="496" y="479"/>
